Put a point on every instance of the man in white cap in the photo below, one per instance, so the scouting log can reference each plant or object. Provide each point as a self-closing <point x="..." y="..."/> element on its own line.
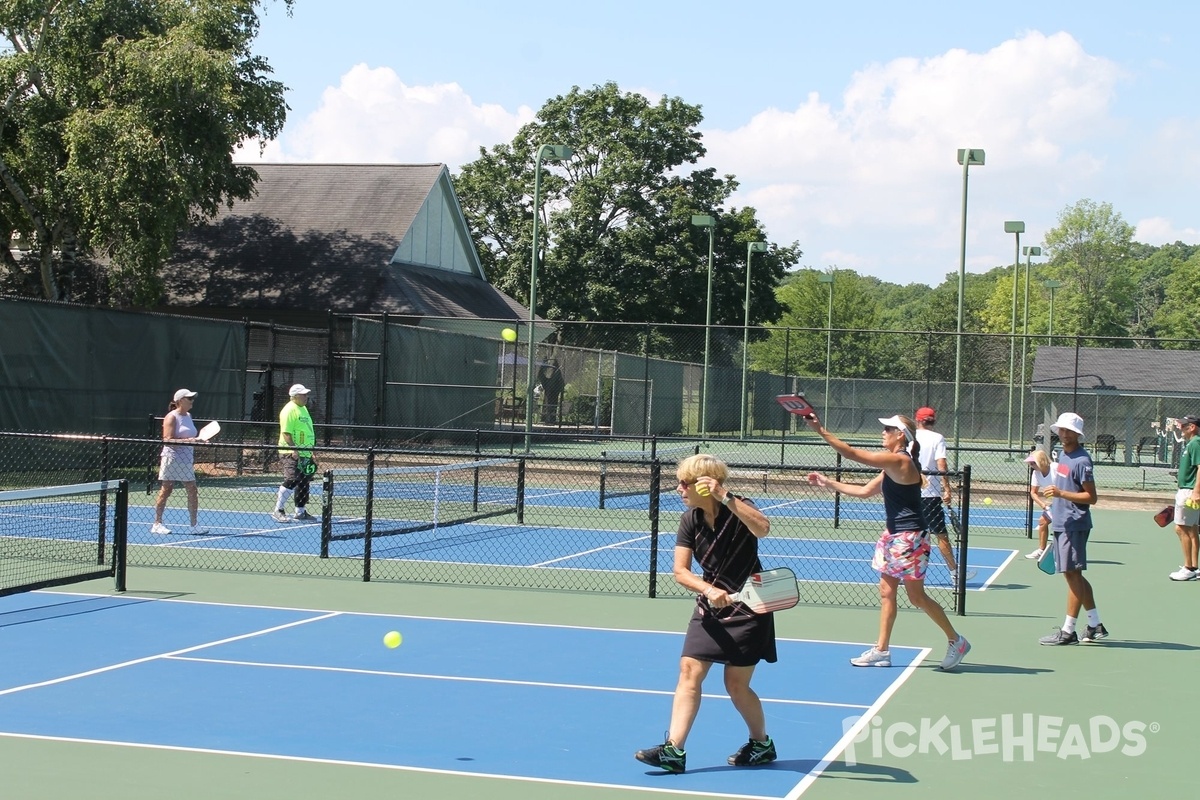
<point x="1073" y="493"/>
<point x="936" y="489"/>
<point x="296" y="439"/>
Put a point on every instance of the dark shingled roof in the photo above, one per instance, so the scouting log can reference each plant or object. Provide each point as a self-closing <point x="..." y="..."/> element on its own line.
<point x="322" y="236"/>
<point x="1114" y="371"/>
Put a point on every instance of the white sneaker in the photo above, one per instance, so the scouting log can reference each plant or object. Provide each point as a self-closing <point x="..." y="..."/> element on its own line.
<point x="196" y="530"/>
<point x="1035" y="554"/>
<point x="1184" y="574"/>
<point x="160" y="529"/>
<point x="873" y="658"/>
<point x="280" y="516"/>
<point x="955" y="653"/>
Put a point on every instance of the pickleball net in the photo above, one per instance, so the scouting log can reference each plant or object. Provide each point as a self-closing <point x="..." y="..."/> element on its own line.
<point x="56" y="535"/>
<point x="627" y="473"/>
<point x="390" y="501"/>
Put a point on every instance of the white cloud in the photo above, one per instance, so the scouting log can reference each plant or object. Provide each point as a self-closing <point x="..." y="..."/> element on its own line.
<point x="873" y="181"/>
<point x="1160" y="231"/>
<point x="372" y="116"/>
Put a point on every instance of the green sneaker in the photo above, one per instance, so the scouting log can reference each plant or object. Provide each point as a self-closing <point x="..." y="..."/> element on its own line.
<point x="665" y="755"/>
<point x="754" y="754"/>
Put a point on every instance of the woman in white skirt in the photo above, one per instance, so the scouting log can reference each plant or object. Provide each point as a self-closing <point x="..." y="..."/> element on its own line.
<point x="175" y="464"/>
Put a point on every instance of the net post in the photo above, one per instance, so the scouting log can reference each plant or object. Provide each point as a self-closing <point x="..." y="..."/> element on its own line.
<point x="326" y="511"/>
<point x="655" y="478"/>
<point x="369" y="514"/>
<point x="120" y="535"/>
<point x="960" y="593"/>
<point x="603" y="475"/>
<point x="103" y="500"/>
<point x="521" y="491"/>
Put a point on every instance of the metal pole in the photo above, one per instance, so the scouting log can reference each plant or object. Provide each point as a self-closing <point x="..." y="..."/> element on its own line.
<point x="828" y="348"/>
<point x="746" y="336"/>
<point x="1024" y="338"/>
<point x="533" y="270"/>
<point x="1012" y="341"/>
<point x="962" y="270"/>
<point x="707" y="335"/>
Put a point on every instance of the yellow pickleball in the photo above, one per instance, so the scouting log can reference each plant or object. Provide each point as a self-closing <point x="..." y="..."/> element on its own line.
<point x="702" y="490"/>
<point x="509" y="335"/>
<point x="987" y="501"/>
<point x="392" y="639"/>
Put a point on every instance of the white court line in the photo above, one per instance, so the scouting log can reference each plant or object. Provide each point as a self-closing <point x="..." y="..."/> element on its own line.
<point x="579" y="554"/>
<point x="171" y="654"/>
<point x="499" y="681"/>
<point x="397" y="767"/>
<point x="849" y="736"/>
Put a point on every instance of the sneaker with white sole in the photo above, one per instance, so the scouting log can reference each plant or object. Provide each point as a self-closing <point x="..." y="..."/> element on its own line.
<point x="1035" y="554"/>
<point x="159" y="529"/>
<point x="873" y="658"/>
<point x="1060" y="637"/>
<point x="303" y="516"/>
<point x="1184" y="574"/>
<point x="280" y="516"/>
<point x="196" y="530"/>
<point x="955" y="653"/>
<point x="1094" y="634"/>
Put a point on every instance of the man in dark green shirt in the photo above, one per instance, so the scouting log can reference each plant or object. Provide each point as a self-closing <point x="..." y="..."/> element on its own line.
<point x="1187" y="500"/>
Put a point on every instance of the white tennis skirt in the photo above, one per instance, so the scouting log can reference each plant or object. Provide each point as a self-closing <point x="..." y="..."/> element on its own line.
<point x="174" y="467"/>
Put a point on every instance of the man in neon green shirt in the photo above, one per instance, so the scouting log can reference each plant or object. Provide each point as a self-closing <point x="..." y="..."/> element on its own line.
<point x="1187" y="501"/>
<point x="296" y="439"/>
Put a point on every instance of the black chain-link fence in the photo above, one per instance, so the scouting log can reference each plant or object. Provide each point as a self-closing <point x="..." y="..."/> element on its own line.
<point x="483" y="516"/>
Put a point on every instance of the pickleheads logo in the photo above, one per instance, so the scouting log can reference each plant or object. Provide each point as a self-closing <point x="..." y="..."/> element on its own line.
<point x="1010" y="737"/>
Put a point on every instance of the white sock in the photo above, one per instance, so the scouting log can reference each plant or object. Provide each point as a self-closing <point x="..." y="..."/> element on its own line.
<point x="300" y="510"/>
<point x="1069" y="625"/>
<point x="1093" y="617"/>
<point x="282" y="498"/>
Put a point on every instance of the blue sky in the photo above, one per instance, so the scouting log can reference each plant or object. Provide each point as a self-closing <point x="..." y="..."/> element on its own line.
<point x="840" y="120"/>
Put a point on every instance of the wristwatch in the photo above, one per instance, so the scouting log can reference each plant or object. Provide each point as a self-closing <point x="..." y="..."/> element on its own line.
<point x="727" y="499"/>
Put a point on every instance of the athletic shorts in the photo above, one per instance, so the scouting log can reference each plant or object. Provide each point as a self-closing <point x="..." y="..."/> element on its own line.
<point x="1070" y="550"/>
<point x="1187" y="517"/>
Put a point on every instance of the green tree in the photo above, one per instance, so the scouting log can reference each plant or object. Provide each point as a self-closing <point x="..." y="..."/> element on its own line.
<point x="118" y="126"/>
<point x="1179" y="315"/>
<point x="797" y="343"/>
<point x="617" y="242"/>
<point x="1090" y="252"/>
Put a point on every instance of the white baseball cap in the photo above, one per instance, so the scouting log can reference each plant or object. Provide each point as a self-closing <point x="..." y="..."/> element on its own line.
<point x="298" y="388"/>
<point x="1069" y="420"/>
<point x="182" y="393"/>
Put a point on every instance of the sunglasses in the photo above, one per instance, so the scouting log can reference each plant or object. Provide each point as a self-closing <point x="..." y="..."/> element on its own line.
<point x="686" y="484"/>
<point x="889" y="429"/>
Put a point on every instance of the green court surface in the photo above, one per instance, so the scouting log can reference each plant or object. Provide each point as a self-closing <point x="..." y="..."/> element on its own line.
<point x="1078" y="708"/>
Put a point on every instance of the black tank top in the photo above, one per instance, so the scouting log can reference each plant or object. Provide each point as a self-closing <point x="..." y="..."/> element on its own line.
<point x="902" y="506"/>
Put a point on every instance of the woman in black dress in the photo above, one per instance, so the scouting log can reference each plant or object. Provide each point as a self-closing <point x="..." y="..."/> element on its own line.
<point x="720" y="531"/>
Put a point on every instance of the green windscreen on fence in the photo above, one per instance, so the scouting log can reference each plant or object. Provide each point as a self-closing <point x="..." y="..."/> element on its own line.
<point x="66" y="367"/>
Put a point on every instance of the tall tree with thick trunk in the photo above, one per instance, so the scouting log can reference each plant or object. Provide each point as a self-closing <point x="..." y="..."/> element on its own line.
<point x="118" y="124"/>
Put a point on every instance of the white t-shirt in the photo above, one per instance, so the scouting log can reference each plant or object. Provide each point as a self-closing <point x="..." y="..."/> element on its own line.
<point x="1039" y="481"/>
<point x="933" y="447"/>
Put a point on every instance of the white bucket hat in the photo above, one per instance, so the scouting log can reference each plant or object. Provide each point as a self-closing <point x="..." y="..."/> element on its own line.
<point x="1069" y="420"/>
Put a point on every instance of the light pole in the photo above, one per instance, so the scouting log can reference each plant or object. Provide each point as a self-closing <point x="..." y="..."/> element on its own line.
<point x="1018" y="228"/>
<point x="1051" y="285"/>
<point x="827" y="277"/>
<point x="1029" y="253"/>
<point x="554" y="152"/>
<point x="968" y="158"/>
<point x="751" y="249"/>
<point x="710" y="222"/>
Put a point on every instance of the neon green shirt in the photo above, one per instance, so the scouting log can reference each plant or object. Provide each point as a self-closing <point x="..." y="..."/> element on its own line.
<point x="296" y="421"/>
<point x="1189" y="460"/>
